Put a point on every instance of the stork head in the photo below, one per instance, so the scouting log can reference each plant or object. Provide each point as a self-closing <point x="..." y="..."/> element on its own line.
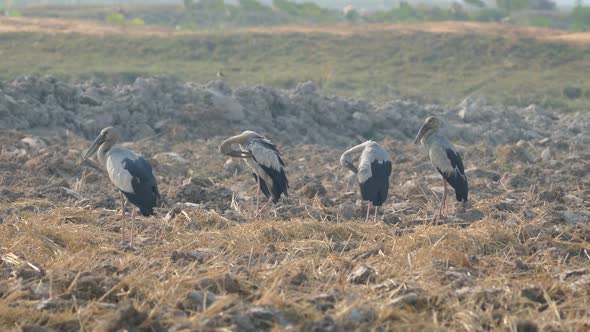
<point x="108" y="135"/>
<point x="346" y="161"/>
<point x="431" y="124"/>
<point x="346" y="158"/>
<point x="243" y="138"/>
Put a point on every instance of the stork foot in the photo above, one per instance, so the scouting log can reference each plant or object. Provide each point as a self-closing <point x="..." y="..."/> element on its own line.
<point x="463" y="207"/>
<point x="438" y="219"/>
<point x="125" y="246"/>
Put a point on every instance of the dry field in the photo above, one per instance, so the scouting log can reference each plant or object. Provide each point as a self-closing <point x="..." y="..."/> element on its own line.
<point x="95" y="28"/>
<point x="516" y="260"/>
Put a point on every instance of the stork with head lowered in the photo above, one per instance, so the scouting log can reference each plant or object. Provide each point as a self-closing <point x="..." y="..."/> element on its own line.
<point x="372" y="173"/>
<point x="265" y="161"/>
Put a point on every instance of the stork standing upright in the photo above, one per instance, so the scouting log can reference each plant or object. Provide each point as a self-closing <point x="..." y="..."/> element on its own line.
<point x="264" y="159"/>
<point x="129" y="172"/>
<point x="445" y="159"/>
<point x="372" y="173"/>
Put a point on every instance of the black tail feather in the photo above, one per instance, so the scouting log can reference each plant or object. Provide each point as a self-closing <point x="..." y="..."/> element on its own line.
<point x="459" y="182"/>
<point x="280" y="184"/>
<point x="376" y="188"/>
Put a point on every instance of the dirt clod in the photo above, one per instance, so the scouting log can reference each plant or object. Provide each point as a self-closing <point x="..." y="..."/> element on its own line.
<point x="362" y="274"/>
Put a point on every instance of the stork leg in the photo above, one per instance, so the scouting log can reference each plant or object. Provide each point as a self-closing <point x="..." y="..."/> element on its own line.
<point x="257" y="192"/>
<point x="122" y="217"/>
<point x="132" y="226"/>
<point x="375" y="218"/>
<point x="263" y="207"/>
<point x="368" y="211"/>
<point x="443" y="201"/>
<point x="444" y="196"/>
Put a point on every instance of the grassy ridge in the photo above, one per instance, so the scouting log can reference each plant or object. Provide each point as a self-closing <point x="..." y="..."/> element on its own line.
<point x="377" y="65"/>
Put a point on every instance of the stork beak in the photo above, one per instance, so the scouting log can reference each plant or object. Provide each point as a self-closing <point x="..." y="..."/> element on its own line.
<point x="351" y="167"/>
<point x="239" y="154"/>
<point x="420" y="134"/>
<point x="95" y="145"/>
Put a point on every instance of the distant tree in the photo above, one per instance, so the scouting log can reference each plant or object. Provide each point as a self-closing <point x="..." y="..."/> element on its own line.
<point x="512" y="5"/>
<point x="188" y="4"/>
<point x="458" y="12"/>
<point x="475" y="3"/>
<point x="489" y="15"/>
<point x="352" y="15"/>
<point x="286" y="6"/>
<point x="580" y="17"/>
<point x="212" y="5"/>
<point x="252" y="5"/>
<point x="406" y="11"/>
<point x="310" y="9"/>
<point x="542" y="4"/>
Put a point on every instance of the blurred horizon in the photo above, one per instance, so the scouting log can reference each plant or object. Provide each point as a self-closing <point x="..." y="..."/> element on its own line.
<point x="369" y="5"/>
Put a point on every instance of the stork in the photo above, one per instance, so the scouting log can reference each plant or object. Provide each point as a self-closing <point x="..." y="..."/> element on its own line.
<point x="445" y="159"/>
<point x="264" y="159"/>
<point x="372" y="173"/>
<point x="129" y="172"/>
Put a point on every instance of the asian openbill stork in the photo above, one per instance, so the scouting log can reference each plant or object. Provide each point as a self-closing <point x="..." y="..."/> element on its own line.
<point x="129" y="172"/>
<point x="445" y="159"/>
<point x="372" y="173"/>
<point x="264" y="159"/>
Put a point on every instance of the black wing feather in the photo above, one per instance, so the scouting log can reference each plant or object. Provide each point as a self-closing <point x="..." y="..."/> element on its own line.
<point x="280" y="184"/>
<point x="146" y="194"/>
<point x="376" y="188"/>
<point x="262" y="185"/>
<point x="456" y="160"/>
<point x="457" y="178"/>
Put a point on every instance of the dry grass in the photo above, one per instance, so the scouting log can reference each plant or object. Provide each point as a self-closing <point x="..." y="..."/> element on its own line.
<point x="464" y="278"/>
<point x="63" y="267"/>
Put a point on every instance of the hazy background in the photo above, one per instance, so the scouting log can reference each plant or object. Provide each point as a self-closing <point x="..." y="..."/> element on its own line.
<point x="367" y="4"/>
<point x="437" y="51"/>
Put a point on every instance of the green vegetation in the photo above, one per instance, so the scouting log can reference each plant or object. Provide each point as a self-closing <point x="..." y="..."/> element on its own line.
<point x="116" y="18"/>
<point x="376" y="66"/>
<point x="119" y="19"/>
<point x="221" y="14"/>
<point x="581" y="18"/>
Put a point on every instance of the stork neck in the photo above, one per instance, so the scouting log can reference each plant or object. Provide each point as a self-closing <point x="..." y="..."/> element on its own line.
<point x="357" y="148"/>
<point x="429" y="137"/>
<point x="103" y="151"/>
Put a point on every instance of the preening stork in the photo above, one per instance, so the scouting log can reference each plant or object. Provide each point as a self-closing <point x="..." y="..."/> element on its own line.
<point x="129" y="172"/>
<point x="372" y="173"/>
<point x="264" y="159"/>
<point x="445" y="159"/>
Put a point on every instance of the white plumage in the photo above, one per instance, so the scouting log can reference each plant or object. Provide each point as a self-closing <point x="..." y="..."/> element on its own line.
<point x="115" y="166"/>
<point x="371" y="152"/>
<point x="265" y="153"/>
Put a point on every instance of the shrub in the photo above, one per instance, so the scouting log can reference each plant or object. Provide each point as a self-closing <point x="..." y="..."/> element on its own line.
<point x="540" y="21"/>
<point x="116" y="18"/>
<point x="13" y="12"/>
<point x="572" y="92"/>
<point x="137" y="21"/>
<point x="581" y="18"/>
